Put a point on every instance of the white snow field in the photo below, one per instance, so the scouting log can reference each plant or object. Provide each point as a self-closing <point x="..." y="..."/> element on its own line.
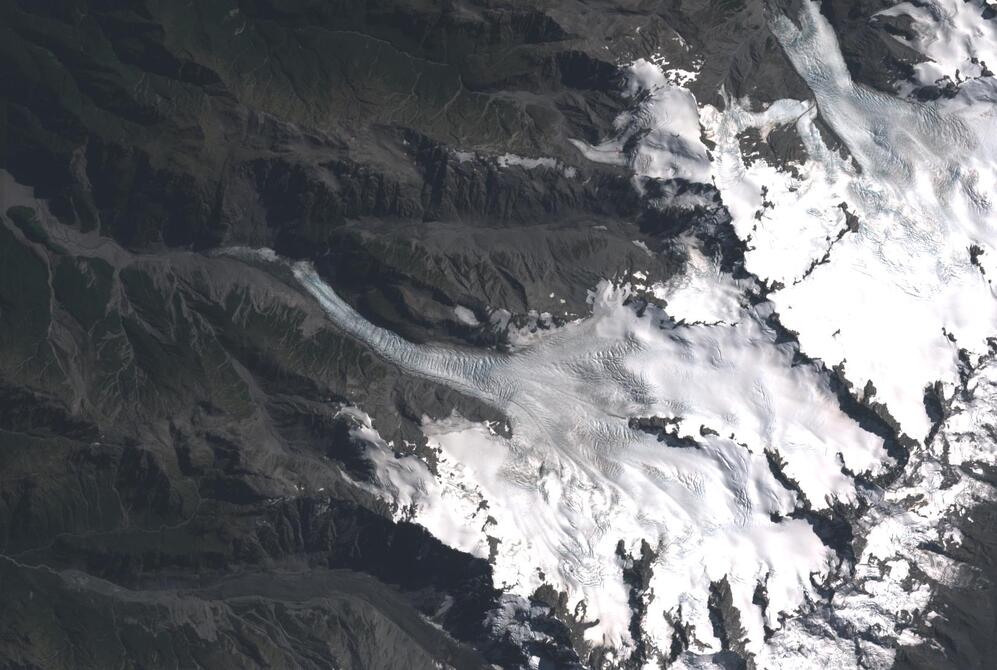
<point x="575" y="479"/>
<point x="895" y="300"/>
<point x="959" y="45"/>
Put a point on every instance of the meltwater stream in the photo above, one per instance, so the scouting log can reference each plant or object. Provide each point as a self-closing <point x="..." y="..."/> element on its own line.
<point x="576" y="477"/>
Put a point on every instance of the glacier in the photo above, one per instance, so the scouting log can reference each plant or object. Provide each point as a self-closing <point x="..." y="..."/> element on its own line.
<point x="691" y="425"/>
<point x="576" y="477"/>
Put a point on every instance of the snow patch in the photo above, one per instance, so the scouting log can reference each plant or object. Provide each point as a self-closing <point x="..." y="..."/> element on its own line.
<point x="666" y="118"/>
<point x="701" y="293"/>
<point x="466" y="316"/>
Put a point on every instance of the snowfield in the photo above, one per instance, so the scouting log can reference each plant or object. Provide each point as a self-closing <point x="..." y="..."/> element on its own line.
<point x="577" y="478"/>
<point x="894" y="300"/>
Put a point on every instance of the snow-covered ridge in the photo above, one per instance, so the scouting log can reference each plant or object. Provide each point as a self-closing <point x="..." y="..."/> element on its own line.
<point x="959" y="43"/>
<point x="507" y="160"/>
<point x="921" y="510"/>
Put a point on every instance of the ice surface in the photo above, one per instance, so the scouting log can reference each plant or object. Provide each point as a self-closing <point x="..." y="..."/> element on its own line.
<point x="872" y="249"/>
<point x="895" y="299"/>
<point x="576" y="477"/>
<point x="959" y="43"/>
<point x="788" y="219"/>
<point x="701" y="293"/>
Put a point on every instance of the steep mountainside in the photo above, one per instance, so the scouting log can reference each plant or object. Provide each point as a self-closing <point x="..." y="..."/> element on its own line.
<point x="216" y="219"/>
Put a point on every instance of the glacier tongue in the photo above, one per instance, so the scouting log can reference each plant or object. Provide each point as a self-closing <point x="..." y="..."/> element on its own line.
<point x="577" y="476"/>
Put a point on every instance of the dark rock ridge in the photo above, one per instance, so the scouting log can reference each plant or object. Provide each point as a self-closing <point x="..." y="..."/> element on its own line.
<point x="176" y="477"/>
<point x="155" y="442"/>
